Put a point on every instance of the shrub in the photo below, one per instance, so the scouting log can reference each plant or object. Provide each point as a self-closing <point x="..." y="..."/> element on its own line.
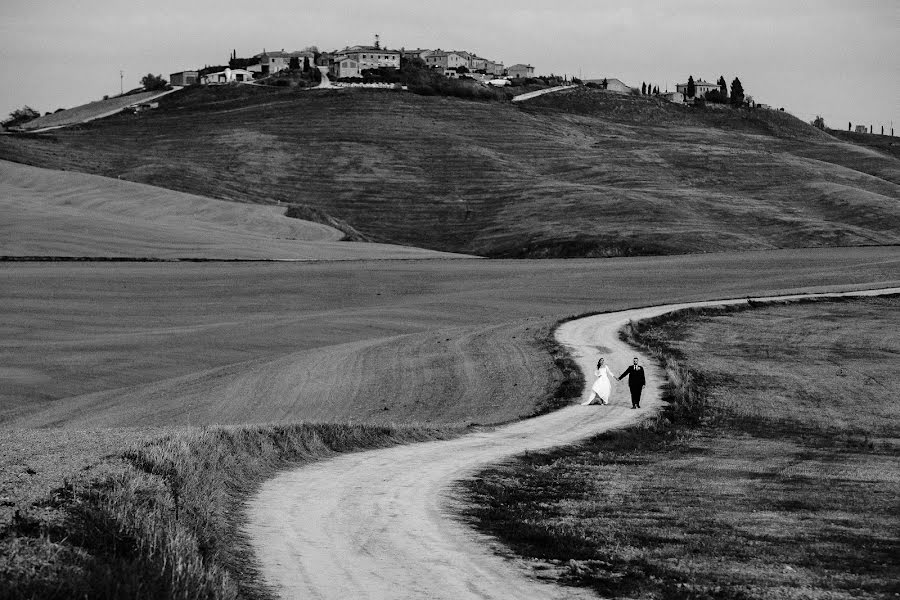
<point x="153" y="82"/>
<point x="21" y="115"/>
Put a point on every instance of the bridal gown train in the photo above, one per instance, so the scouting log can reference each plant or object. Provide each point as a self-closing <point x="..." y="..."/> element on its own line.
<point x="602" y="387"/>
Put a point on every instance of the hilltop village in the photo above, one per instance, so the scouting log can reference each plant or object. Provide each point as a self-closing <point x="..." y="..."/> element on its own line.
<point x="372" y="65"/>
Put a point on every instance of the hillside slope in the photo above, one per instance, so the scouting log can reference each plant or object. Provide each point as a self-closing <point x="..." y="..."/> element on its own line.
<point x="46" y="213"/>
<point x="584" y="173"/>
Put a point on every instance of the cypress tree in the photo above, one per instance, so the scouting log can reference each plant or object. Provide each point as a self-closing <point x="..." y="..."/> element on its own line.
<point x="737" y="92"/>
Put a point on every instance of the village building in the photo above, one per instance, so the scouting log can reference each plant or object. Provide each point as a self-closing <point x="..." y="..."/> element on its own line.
<point x="226" y="76"/>
<point x="271" y="62"/>
<point x="494" y="68"/>
<point x="184" y="78"/>
<point x="352" y="61"/>
<point x="418" y="52"/>
<point x="446" y="61"/>
<point x="478" y="64"/>
<point x="520" y="70"/>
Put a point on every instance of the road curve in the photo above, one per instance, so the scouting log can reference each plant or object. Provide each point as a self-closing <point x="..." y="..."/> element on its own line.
<point x="378" y="524"/>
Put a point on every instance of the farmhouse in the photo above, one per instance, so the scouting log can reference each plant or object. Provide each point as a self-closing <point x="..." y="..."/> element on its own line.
<point x="226" y="76"/>
<point x="520" y="70"/>
<point x="700" y="88"/>
<point x="185" y="78"/>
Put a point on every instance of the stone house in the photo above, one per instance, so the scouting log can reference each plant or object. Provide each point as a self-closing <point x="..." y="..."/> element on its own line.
<point x="494" y="68"/>
<point x="272" y="62"/>
<point x="352" y="61"/>
<point x="445" y="61"/>
<point x="520" y="70"/>
<point x="700" y="88"/>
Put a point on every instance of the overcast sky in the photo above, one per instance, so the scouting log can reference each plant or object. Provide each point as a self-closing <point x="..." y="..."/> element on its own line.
<point x="836" y="58"/>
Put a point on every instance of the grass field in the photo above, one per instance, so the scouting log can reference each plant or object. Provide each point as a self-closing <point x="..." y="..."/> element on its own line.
<point x="582" y="173"/>
<point x="775" y="477"/>
<point x="91" y="110"/>
<point x="116" y="356"/>
<point x="123" y="344"/>
<point x="45" y="213"/>
<point x="887" y="144"/>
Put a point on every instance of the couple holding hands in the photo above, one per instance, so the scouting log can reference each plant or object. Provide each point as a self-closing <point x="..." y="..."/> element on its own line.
<point x="603" y="387"/>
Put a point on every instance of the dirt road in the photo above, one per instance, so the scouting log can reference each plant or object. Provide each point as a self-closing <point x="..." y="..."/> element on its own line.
<point x="377" y="525"/>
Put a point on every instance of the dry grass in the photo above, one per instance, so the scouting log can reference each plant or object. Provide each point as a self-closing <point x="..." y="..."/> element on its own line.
<point x="163" y="518"/>
<point x="432" y="341"/>
<point x="576" y="174"/>
<point x="773" y="473"/>
<point x="90" y="110"/>
<point x="63" y="214"/>
<point x="160" y="513"/>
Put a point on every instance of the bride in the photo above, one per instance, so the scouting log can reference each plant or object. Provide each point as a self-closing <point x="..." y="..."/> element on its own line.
<point x="602" y="387"/>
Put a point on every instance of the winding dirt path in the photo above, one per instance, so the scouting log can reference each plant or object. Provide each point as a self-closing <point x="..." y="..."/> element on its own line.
<point x="378" y="524"/>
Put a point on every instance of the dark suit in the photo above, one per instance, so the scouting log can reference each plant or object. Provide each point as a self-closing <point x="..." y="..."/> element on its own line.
<point x="636" y="383"/>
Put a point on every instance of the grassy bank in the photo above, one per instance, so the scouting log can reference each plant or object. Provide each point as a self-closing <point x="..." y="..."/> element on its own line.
<point x="770" y="474"/>
<point x="163" y="518"/>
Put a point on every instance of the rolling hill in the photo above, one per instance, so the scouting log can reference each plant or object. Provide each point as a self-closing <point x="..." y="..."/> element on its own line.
<point x="45" y="213"/>
<point x="584" y="173"/>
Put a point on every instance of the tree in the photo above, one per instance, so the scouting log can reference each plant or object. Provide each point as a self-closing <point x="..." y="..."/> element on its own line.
<point x="605" y="84"/>
<point x="723" y="87"/>
<point x="818" y="123"/>
<point x="737" y="92"/>
<point x="462" y="69"/>
<point x="21" y="115"/>
<point x="306" y="64"/>
<point x="715" y="96"/>
<point x="643" y="88"/>
<point x="691" y="87"/>
<point x="294" y="63"/>
<point x="153" y="82"/>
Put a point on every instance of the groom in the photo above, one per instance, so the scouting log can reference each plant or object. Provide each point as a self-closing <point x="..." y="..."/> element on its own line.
<point x="636" y="382"/>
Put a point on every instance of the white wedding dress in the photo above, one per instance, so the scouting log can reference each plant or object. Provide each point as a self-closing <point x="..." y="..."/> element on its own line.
<point x="602" y="387"/>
